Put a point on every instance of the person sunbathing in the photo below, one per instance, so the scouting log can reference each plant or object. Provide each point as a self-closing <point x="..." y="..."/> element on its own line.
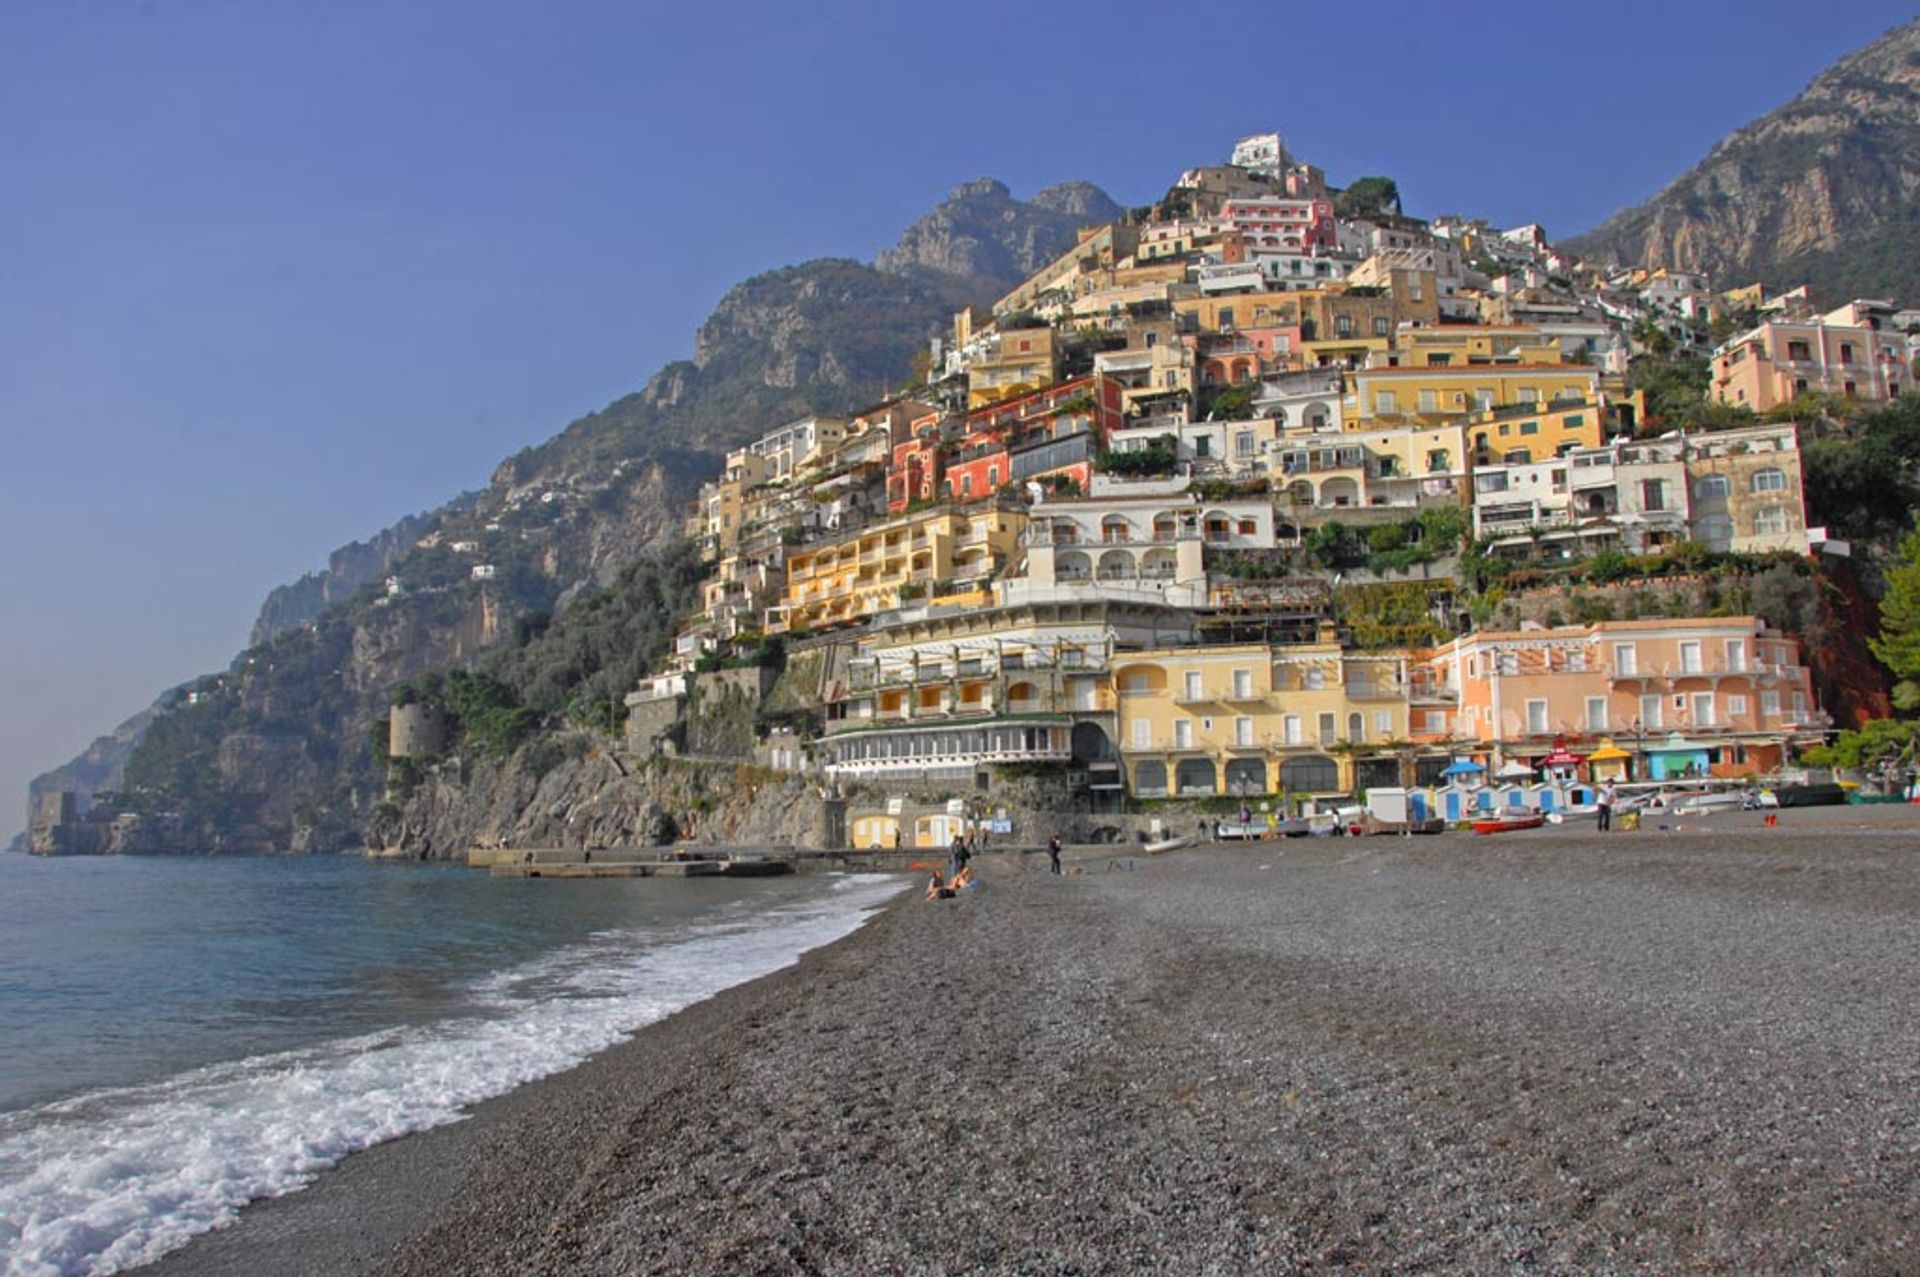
<point x="937" y="888"/>
<point x="963" y="879"/>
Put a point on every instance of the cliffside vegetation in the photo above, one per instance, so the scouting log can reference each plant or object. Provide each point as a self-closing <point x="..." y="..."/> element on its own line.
<point x="574" y="669"/>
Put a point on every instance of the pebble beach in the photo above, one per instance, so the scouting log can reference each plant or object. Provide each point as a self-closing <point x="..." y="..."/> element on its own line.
<point x="1684" y="1050"/>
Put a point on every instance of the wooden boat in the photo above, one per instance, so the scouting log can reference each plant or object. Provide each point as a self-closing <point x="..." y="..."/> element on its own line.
<point x="1508" y="821"/>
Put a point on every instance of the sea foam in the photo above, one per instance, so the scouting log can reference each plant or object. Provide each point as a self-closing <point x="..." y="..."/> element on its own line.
<point x="113" y="1179"/>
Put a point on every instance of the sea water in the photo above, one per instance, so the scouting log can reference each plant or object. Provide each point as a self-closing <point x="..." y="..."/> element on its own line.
<point x="179" y="1036"/>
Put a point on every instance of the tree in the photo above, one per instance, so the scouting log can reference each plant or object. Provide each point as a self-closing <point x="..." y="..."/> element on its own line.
<point x="1898" y="643"/>
<point x="1368" y="197"/>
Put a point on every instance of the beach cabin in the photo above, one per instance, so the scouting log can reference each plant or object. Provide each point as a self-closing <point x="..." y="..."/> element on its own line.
<point x="1675" y="758"/>
<point x="1458" y="801"/>
<point x="1609" y="762"/>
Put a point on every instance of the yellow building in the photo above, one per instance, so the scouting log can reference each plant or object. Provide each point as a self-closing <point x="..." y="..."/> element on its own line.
<point x="919" y="556"/>
<point x="1017" y="362"/>
<point x="1461" y="345"/>
<point x="1535" y="432"/>
<point x="1249" y="720"/>
<point x="1389" y="474"/>
<point x="1385" y="396"/>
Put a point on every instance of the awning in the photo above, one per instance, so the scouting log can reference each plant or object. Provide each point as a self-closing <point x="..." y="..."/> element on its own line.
<point x="1462" y="767"/>
<point x="1514" y="769"/>
<point x="1561" y="758"/>
<point x="1676" y="744"/>
<point x="1608" y="753"/>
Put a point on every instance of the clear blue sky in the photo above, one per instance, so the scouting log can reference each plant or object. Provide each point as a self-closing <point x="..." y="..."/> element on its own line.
<point x="274" y="274"/>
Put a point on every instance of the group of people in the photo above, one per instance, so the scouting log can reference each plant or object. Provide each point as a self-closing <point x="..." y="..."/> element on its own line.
<point x="939" y="888"/>
<point x="959" y="875"/>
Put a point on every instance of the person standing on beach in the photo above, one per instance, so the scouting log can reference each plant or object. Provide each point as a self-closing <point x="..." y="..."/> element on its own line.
<point x="1607" y="795"/>
<point x="1053" y="854"/>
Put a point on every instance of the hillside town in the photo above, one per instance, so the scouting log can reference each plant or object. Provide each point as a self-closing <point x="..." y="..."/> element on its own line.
<point x="1192" y="512"/>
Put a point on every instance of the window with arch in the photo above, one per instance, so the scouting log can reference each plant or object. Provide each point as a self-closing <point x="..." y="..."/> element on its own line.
<point x="1769" y="480"/>
<point x="1713" y="485"/>
<point x="1314" y="773"/>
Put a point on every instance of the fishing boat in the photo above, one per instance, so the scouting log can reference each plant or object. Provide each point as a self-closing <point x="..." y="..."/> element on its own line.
<point x="1509" y="820"/>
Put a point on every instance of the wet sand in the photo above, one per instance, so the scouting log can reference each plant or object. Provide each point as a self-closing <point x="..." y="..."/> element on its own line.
<point x="1651" y="1052"/>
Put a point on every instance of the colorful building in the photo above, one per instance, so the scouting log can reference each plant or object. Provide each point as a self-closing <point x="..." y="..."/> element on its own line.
<point x="919" y="556"/>
<point x="1719" y="696"/>
<point x="1846" y="352"/>
<point x="1251" y="720"/>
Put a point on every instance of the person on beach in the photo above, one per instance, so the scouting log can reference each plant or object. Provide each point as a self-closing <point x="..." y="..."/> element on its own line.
<point x="1053" y="854"/>
<point x="1607" y="796"/>
<point x="956" y="856"/>
<point x="937" y="889"/>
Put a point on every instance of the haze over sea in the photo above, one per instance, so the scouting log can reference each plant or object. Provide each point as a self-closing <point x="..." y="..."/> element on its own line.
<point x="180" y="1036"/>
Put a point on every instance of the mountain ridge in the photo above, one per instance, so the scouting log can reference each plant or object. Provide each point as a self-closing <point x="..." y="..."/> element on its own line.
<point x="1824" y="189"/>
<point x="285" y="724"/>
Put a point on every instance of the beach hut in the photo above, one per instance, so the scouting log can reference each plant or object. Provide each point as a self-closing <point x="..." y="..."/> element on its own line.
<point x="1675" y="756"/>
<point x="1609" y="762"/>
<point x="1457" y="801"/>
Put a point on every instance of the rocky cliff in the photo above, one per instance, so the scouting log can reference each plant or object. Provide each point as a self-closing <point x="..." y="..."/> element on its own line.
<point x="573" y="793"/>
<point x="982" y="233"/>
<point x="1825" y="190"/>
<point x="274" y="752"/>
<point x="348" y="569"/>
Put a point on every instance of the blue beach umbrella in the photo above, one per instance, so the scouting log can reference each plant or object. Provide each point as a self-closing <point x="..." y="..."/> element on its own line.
<point x="1462" y="767"/>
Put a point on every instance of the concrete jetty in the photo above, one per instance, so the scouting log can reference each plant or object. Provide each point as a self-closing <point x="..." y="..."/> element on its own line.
<point x="689" y="861"/>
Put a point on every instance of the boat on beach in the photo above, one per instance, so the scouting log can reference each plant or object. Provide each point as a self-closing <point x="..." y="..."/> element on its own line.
<point x="1509" y="820"/>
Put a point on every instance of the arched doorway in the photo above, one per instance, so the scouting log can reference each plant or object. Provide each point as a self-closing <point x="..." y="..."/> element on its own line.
<point x="1090" y="744"/>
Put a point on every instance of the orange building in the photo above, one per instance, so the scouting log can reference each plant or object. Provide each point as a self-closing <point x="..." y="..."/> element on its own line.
<point x="1708" y="696"/>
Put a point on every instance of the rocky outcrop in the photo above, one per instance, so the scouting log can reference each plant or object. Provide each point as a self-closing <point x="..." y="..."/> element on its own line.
<point x="97" y="768"/>
<point x="1825" y="190"/>
<point x="348" y="569"/>
<point x="981" y="232"/>
<point x="571" y="792"/>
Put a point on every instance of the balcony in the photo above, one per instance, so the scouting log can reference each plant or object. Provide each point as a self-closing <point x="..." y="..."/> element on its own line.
<point x="1376" y="691"/>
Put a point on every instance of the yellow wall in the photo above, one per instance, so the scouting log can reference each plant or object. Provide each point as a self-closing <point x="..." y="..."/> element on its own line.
<point x="1453" y="391"/>
<point x="849" y="580"/>
<point x="1537" y="435"/>
<point x="1273" y="714"/>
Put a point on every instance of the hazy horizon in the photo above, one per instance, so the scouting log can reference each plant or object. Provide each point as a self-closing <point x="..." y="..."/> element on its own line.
<point x="274" y="278"/>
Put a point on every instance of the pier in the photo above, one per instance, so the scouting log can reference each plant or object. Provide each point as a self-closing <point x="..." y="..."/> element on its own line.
<point x="691" y="861"/>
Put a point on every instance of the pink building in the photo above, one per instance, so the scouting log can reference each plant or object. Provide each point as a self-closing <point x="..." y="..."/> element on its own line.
<point x="1709" y="696"/>
<point x="1848" y="352"/>
<point x="1272" y="223"/>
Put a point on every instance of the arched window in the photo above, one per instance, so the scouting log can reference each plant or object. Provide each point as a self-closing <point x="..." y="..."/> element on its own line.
<point x="1715" y="531"/>
<point x="1246" y="776"/>
<point x="1769" y="481"/>
<point x="1711" y="486"/>
<point x="1150" y="777"/>
<point x="1196" y="776"/>
<point x="1356" y="727"/>
<point x="1163" y="527"/>
<point x="1114" y="529"/>
<point x="1314" y="774"/>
